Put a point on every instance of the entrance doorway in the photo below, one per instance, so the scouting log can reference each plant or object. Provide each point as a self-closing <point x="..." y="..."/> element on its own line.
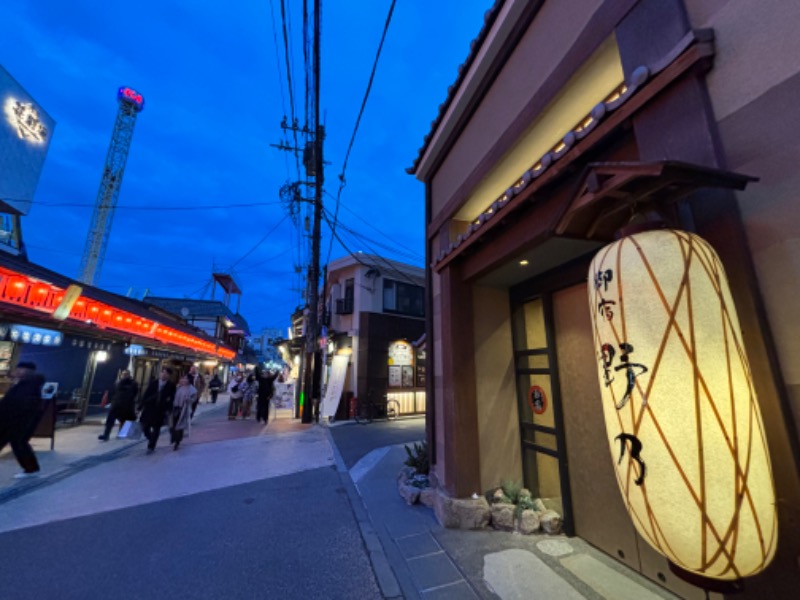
<point x="540" y="416"/>
<point x="598" y="511"/>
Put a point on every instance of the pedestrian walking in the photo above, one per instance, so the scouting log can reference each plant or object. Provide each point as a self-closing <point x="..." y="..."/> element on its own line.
<point x="266" y="389"/>
<point x="199" y="384"/>
<point x="20" y="410"/>
<point x="250" y="388"/>
<point x="180" y="417"/>
<point x="236" y="389"/>
<point x="123" y="404"/>
<point x="157" y="402"/>
<point x="214" y="386"/>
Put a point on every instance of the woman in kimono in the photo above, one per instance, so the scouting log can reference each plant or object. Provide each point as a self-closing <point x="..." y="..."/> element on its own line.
<point x="179" y="418"/>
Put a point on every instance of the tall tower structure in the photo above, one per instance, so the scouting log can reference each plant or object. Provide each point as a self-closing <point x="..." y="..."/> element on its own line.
<point x="131" y="103"/>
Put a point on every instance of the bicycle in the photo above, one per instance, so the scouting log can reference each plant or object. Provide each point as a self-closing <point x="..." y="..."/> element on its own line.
<point x="367" y="410"/>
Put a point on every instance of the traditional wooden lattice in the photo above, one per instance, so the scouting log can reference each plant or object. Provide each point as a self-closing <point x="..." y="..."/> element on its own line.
<point x="683" y="422"/>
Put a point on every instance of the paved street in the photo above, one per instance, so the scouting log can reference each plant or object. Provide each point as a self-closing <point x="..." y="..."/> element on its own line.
<point x="260" y="514"/>
<point x="355" y="441"/>
<point x="285" y="511"/>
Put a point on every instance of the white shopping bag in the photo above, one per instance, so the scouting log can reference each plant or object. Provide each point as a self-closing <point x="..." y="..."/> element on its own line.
<point x="130" y="430"/>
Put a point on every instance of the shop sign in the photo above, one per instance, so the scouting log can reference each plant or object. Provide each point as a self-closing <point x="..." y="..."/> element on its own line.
<point x="34" y="335"/>
<point x="537" y="399"/>
<point x="134" y="350"/>
<point x="401" y="354"/>
<point x="91" y="344"/>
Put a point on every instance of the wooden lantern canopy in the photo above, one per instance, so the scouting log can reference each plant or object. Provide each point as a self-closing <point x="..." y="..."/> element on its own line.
<point x="683" y="422"/>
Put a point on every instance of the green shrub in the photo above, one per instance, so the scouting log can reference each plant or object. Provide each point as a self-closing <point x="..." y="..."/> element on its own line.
<point x="511" y="489"/>
<point x="418" y="458"/>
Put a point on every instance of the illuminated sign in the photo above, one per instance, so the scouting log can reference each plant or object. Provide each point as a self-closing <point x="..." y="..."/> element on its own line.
<point x="131" y="96"/>
<point x="35" y="335"/>
<point x="24" y="118"/>
<point x="134" y="350"/>
<point x="21" y="290"/>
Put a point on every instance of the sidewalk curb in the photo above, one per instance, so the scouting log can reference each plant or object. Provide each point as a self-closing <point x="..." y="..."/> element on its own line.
<point x="373" y="542"/>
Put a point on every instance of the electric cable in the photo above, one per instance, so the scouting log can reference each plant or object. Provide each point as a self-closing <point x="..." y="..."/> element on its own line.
<point x="342" y="178"/>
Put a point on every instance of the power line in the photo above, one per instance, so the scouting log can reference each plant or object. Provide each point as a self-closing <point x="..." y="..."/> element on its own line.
<point x="261" y="241"/>
<point x="192" y="207"/>
<point x="284" y="22"/>
<point x="358" y="122"/>
<point x="412" y="253"/>
<point x="375" y="255"/>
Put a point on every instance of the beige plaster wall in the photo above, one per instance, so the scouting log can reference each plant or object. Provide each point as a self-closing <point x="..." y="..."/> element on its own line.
<point x="754" y="88"/>
<point x="535" y="58"/>
<point x="498" y="417"/>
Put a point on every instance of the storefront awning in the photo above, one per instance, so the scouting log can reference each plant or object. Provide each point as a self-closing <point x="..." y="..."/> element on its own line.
<point x="610" y="193"/>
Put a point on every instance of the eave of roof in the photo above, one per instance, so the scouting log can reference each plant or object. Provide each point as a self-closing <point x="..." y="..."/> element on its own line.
<point x="489" y="18"/>
<point x="572" y="139"/>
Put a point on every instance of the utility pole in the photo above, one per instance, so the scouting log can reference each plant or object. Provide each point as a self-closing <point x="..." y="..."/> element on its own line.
<point x="313" y="365"/>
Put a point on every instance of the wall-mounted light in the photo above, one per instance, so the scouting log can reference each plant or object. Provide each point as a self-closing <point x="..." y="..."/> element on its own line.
<point x="682" y="418"/>
<point x="524" y="263"/>
<point x="101" y="356"/>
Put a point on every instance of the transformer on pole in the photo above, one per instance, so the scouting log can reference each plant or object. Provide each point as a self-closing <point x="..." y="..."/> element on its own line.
<point x="131" y="103"/>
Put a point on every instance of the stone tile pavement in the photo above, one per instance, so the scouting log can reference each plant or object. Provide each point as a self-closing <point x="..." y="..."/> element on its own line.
<point x="419" y="559"/>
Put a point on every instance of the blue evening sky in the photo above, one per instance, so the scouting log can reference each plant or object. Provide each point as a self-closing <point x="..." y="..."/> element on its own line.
<point x="214" y="102"/>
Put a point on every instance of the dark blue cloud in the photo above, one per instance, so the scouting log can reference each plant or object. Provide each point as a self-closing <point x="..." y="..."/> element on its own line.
<point x="213" y="107"/>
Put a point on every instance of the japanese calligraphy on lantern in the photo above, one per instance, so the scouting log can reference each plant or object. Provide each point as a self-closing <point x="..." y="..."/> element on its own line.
<point x="678" y="397"/>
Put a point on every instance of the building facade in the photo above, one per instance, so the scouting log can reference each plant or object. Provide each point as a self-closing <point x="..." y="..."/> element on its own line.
<point x="567" y="119"/>
<point x="375" y="311"/>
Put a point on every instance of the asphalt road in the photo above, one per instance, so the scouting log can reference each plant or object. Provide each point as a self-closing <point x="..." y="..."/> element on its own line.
<point x="262" y="516"/>
<point x="356" y="441"/>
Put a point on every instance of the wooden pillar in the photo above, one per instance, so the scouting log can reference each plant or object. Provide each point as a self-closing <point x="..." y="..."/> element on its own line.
<point x="458" y="400"/>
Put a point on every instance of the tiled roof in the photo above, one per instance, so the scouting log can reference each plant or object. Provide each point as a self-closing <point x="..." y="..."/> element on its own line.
<point x="198" y="308"/>
<point x="638" y="78"/>
<point x="489" y="18"/>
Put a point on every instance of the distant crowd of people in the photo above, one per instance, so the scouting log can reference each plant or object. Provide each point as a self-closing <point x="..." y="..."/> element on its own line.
<point x="162" y="403"/>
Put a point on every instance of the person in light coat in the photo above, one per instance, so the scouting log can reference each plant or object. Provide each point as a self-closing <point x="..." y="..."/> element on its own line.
<point x="180" y="417"/>
<point x="236" y="390"/>
<point x="250" y="389"/>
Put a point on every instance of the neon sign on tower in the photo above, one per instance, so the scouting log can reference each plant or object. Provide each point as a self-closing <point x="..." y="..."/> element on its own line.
<point x="131" y="96"/>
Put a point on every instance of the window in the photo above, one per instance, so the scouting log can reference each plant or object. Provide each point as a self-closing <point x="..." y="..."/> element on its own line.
<point x="344" y="306"/>
<point x="403" y="298"/>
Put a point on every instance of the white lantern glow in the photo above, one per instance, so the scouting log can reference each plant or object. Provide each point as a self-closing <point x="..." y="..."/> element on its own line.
<point x="683" y="422"/>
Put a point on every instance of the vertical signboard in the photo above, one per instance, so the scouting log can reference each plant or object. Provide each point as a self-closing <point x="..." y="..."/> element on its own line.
<point x="25" y="133"/>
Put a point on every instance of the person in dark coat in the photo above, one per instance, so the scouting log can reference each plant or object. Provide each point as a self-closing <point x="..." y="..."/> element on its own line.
<point x="266" y="389"/>
<point x="20" y="408"/>
<point x="214" y="387"/>
<point x="123" y="404"/>
<point x="156" y="403"/>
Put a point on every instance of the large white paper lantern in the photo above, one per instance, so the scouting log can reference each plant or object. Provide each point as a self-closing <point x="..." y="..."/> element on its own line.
<point x="683" y="421"/>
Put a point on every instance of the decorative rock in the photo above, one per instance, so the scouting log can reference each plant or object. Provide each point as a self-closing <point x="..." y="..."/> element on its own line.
<point x="427" y="496"/>
<point x="498" y="495"/>
<point x="457" y="513"/>
<point x="529" y="522"/>
<point x="405" y="474"/>
<point x="524" y="493"/>
<point x="503" y="516"/>
<point x="539" y="506"/>
<point x="551" y="522"/>
<point x="409" y="493"/>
